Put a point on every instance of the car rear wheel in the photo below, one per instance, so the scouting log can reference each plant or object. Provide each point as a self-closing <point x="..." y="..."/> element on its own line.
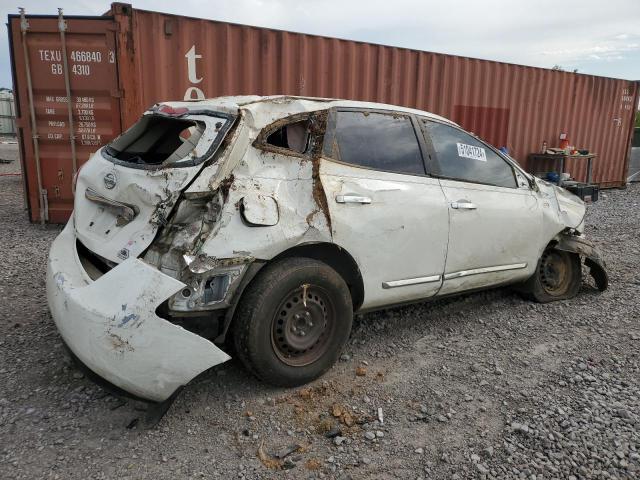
<point x="557" y="277"/>
<point x="293" y="321"/>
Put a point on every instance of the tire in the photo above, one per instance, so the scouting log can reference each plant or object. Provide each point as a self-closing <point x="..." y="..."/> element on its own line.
<point x="558" y="276"/>
<point x="285" y="339"/>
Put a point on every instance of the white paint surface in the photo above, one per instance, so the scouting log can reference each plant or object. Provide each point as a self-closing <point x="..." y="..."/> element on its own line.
<point x="406" y="237"/>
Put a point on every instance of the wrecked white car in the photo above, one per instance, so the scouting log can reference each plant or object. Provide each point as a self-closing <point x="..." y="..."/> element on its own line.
<point x="269" y="221"/>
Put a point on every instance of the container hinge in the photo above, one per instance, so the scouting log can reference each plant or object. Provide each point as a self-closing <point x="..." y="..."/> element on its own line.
<point x="62" y="23"/>
<point x="24" y="23"/>
<point x="117" y="93"/>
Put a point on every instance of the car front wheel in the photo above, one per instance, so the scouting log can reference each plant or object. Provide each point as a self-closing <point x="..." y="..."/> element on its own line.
<point x="557" y="277"/>
<point x="293" y="321"/>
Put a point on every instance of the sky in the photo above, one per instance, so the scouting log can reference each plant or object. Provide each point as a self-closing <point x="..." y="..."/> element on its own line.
<point x="594" y="36"/>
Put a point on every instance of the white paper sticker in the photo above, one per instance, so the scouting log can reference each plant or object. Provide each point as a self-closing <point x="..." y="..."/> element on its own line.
<point x="469" y="151"/>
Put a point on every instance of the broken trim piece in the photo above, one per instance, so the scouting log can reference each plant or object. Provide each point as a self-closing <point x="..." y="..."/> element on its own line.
<point x="411" y="281"/>
<point x="476" y="271"/>
<point x="126" y="212"/>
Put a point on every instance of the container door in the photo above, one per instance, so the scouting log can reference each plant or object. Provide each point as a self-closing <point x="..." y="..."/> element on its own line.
<point x="94" y="100"/>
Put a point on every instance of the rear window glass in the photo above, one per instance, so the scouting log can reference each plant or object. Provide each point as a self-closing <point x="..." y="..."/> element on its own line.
<point x="377" y="140"/>
<point x="160" y="140"/>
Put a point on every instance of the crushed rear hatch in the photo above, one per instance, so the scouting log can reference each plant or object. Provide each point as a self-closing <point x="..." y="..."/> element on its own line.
<point x="126" y="191"/>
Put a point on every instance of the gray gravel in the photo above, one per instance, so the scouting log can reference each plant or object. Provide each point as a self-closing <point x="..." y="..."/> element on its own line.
<point x="481" y="386"/>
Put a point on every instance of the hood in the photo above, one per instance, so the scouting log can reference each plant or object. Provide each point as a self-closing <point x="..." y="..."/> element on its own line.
<point x="571" y="210"/>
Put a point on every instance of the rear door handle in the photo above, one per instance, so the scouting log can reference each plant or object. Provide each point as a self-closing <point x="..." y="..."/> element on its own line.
<point x="463" y="205"/>
<point x="353" y="199"/>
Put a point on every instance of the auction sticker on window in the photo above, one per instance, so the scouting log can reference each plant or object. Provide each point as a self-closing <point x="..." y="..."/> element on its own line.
<point x="469" y="151"/>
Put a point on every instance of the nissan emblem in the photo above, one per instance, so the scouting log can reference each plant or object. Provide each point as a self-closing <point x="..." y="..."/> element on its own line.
<point x="110" y="181"/>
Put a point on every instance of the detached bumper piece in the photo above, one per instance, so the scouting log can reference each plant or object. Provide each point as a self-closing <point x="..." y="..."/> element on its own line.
<point x="110" y="324"/>
<point x="592" y="258"/>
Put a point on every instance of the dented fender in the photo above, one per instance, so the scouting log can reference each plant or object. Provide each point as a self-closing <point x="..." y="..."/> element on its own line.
<point x="592" y="257"/>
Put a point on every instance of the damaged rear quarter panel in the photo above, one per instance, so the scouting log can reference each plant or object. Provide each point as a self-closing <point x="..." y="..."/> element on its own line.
<point x="289" y="179"/>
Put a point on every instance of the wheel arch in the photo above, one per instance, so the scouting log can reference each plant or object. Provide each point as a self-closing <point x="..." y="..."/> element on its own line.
<point x="337" y="258"/>
<point x="330" y="253"/>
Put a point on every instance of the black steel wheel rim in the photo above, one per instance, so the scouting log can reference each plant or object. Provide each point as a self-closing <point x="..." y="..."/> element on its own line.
<point x="303" y="325"/>
<point x="555" y="272"/>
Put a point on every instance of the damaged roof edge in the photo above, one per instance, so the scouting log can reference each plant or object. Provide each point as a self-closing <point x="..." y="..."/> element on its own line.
<point x="232" y="104"/>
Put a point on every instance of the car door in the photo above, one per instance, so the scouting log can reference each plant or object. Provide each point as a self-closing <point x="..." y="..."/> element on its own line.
<point x="494" y="218"/>
<point x="385" y="211"/>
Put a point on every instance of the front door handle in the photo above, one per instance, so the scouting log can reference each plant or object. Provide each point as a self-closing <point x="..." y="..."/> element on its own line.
<point x="463" y="205"/>
<point x="353" y="199"/>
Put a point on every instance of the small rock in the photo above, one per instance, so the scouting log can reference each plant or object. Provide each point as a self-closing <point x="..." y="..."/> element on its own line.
<point x="333" y="433"/>
<point x="370" y="435"/>
<point x="419" y="450"/>
<point x="519" y="427"/>
<point x="339" y="440"/>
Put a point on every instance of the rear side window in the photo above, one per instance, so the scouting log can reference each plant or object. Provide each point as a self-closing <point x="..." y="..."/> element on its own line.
<point x="294" y="136"/>
<point x="376" y="140"/>
<point x="459" y="156"/>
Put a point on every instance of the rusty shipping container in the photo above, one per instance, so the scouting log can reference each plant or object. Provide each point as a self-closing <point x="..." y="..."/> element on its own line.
<point x="80" y="81"/>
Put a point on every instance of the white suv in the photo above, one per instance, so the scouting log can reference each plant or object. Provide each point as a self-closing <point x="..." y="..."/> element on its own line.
<point x="269" y="221"/>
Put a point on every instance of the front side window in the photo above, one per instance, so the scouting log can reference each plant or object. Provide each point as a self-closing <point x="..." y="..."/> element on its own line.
<point x="459" y="156"/>
<point x="381" y="141"/>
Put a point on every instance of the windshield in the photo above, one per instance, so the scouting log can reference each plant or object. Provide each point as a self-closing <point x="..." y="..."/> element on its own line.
<point x="158" y="140"/>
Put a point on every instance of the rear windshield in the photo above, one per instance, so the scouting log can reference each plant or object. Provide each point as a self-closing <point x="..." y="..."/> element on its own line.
<point x="158" y="140"/>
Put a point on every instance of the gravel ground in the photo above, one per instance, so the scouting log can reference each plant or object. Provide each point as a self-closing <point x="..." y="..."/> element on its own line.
<point x="481" y="386"/>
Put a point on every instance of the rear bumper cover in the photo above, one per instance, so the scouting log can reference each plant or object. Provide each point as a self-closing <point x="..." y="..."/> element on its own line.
<point x="111" y="326"/>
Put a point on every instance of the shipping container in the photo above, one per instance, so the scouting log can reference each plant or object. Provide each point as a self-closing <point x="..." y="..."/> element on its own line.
<point x="114" y="67"/>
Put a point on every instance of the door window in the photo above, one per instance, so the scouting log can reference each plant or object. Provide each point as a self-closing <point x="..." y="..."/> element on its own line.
<point x="375" y="140"/>
<point x="459" y="156"/>
<point x="294" y="136"/>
